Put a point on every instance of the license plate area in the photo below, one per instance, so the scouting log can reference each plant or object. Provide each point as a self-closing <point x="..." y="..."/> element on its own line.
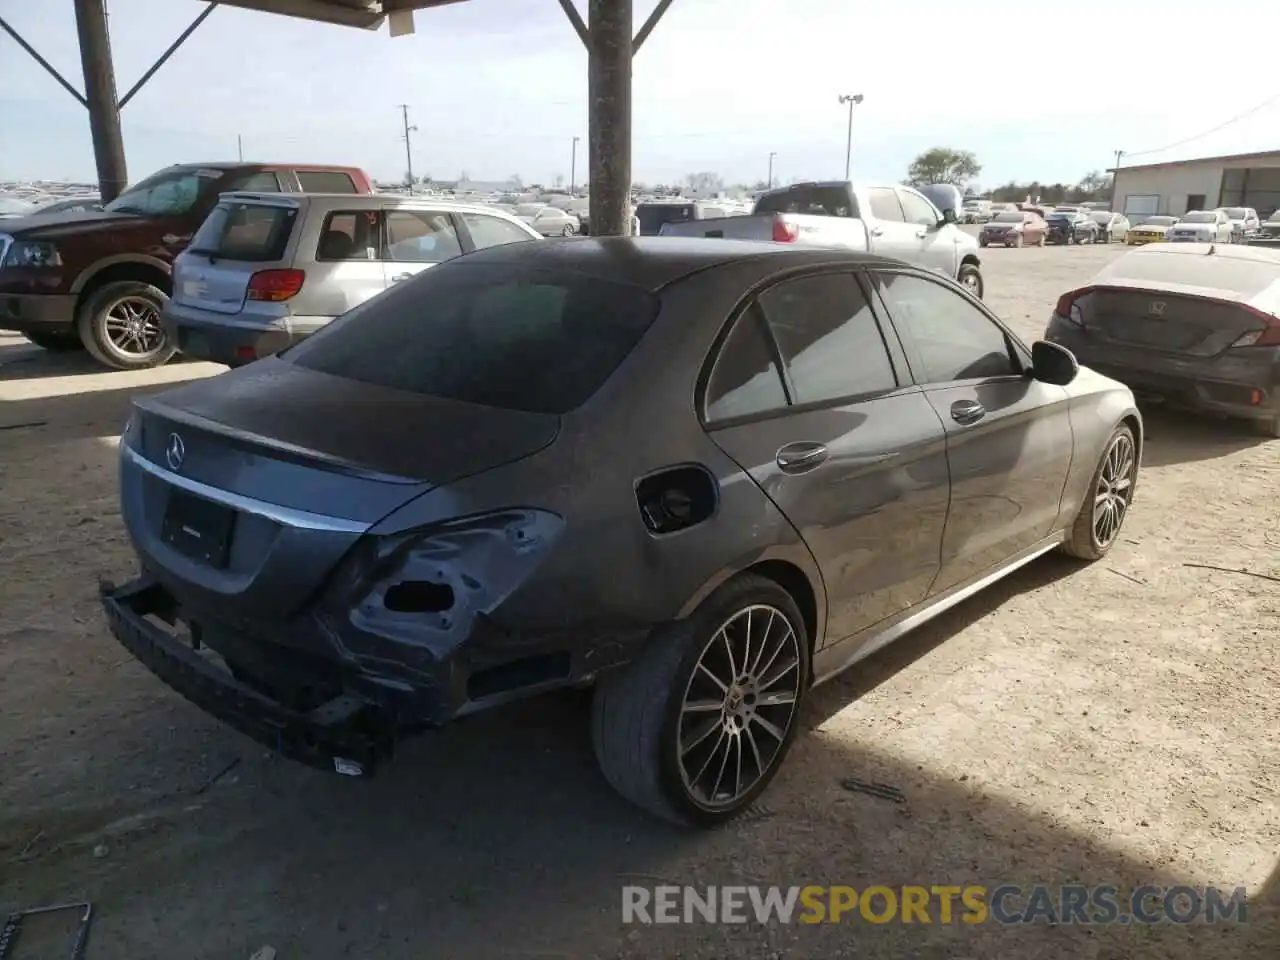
<point x="199" y="528"/>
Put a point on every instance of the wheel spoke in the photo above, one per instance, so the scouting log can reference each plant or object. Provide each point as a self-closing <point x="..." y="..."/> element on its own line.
<point x="770" y="727"/>
<point x="775" y="700"/>
<point x="706" y="672"/>
<point x="753" y="670"/>
<point x="715" y="748"/>
<point x="703" y="706"/>
<point x="707" y="729"/>
<point x="728" y="646"/>
<point x="724" y="765"/>
<point x="778" y="673"/>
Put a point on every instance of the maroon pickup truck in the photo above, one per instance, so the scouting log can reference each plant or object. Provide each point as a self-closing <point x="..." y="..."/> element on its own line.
<point x="97" y="280"/>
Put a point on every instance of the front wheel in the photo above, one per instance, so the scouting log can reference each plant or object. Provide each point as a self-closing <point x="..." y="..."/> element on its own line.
<point x="1106" y="503"/>
<point x="120" y="326"/>
<point x="567" y="231"/>
<point x="970" y="277"/>
<point x="695" y="728"/>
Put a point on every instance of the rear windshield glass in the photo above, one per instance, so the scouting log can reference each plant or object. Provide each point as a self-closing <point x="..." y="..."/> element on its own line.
<point x="491" y="334"/>
<point x="1009" y="216"/>
<point x="653" y="215"/>
<point x="251" y="232"/>
<point x="1101" y="217"/>
<point x="1237" y="213"/>
<point x="1200" y="218"/>
<point x="814" y="201"/>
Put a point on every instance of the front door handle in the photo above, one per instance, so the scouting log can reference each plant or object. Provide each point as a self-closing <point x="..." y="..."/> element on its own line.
<point x="877" y="232"/>
<point x="967" y="411"/>
<point x="401" y="276"/>
<point x="801" y="457"/>
<point x="921" y="234"/>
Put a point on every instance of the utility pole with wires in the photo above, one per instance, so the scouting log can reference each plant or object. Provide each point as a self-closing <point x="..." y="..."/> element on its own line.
<point x="408" y="144"/>
<point x="1115" y="174"/>
<point x="772" y="154"/>
<point x="240" y="147"/>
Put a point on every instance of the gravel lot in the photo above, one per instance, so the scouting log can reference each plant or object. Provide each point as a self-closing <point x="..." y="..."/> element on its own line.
<point x="1110" y="724"/>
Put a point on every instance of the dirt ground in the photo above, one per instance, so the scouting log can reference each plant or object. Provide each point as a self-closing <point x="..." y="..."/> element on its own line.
<point x="1105" y="724"/>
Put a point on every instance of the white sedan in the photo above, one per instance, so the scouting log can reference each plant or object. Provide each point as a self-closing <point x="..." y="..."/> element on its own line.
<point x="549" y="221"/>
<point x="1202" y="226"/>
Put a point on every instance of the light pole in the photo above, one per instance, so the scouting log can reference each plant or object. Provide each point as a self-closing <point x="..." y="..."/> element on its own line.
<point x="852" y="99"/>
<point x="1115" y="174"/>
<point x="408" y="146"/>
<point x="771" y="156"/>
<point x="573" y="168"/>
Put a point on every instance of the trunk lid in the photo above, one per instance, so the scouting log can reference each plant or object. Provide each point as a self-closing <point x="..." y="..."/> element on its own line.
<point x="275" y="411"/>
<point x="242" y="236"/>
<point x="1195" y="325"/>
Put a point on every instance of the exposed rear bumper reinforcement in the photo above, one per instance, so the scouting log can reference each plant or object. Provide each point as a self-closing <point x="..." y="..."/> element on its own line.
<point x="346" y="735"/>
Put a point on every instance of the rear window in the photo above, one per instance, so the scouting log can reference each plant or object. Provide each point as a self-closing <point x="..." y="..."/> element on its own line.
<point x="1009" y="216"/>
<point x="814" y="201"/>
<point x="326" y="181"/>
<point x="653" y="215"/>
<point x="1200" y="218"/>
<point x="251" y="232"/>
<point x="1237" y="213"/>
<point x="492" y="334"/>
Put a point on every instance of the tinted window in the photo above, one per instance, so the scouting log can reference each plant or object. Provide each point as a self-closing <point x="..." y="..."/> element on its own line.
<point x="168" y="192"/>
<point x="245" y="231"/>
<point x="261" y="182"/>
<point x="745" y="378"/>
<point x="1007" y="217"/>
<point x="828" y="338"/>
<point x="350" y="235"/>
<point x="492" y="231"/>
<point x="325" y="181"/>
<point x="813" y="201"/>
<point x="955" y="340"/>
<point x="1200" y="218"/>
<point x="885" y="205"/>
<point x="490" y="334"/>
<point x="918" y="209"/>
<point x="420" y="236"/>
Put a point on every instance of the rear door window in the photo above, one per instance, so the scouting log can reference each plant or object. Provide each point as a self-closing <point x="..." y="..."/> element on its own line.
<point x="252" y="232"/>
<point x="493" y="334"/>
<point x="421" y="236"/>
<point x="326" y="181"/>
<point x="264" y="181"/>
<point x="828" y="337"/>
<point x="350" y="235"/>
<point x="489" y="231"/>
<point x="885" y="204"/>
<point x="918" y="210"/>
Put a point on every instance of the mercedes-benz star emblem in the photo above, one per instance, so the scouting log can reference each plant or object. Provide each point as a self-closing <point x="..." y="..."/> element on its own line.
<point x="1157" y="308"/>
<point x="175" y="451"/>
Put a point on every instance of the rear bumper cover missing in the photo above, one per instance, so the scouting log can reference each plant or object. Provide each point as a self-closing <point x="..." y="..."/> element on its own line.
<point x="347" y="735"/>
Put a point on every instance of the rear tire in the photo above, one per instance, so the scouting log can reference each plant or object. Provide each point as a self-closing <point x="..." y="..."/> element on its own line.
<point x="970" y="277"/>
<point x="120" y="326"/>
<point x="56" y="342"/>
<point x="567" y="231"/>
<point x="645" y="715"/>
<point x="1106" y="503"/>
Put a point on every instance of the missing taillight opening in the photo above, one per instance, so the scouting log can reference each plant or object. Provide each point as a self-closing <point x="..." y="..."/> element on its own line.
<point x="275" y="285"/>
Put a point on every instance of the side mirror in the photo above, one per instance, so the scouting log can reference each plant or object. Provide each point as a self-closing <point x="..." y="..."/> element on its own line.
<point x="1053" y="363"/>
<point x="949" y="215"/>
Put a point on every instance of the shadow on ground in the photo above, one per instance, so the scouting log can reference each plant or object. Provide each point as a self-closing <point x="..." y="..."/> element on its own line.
<point x="1176" y="437"/>
<point x="497" y="838"/>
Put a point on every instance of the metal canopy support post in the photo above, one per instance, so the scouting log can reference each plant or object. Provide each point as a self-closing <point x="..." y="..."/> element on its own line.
<point x="649" y="24"/>
<point x="164" y="57"/>
<point x="100" y="97"/>
<point x="609" y="127"/>
<point x="31" y="51"/>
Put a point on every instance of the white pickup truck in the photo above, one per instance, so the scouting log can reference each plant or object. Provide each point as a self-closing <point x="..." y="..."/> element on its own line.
<point x="891" y="221"/>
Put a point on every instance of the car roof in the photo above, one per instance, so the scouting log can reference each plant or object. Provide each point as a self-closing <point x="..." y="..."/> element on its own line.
<point x="362" y="200"/>
<point x="654" y="262"/>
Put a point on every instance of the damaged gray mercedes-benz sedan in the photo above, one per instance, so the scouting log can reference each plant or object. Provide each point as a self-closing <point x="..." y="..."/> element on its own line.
<point x="701" y="475"/>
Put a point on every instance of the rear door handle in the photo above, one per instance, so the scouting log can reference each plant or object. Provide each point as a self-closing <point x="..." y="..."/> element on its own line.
<point x="401" y="276"/>
<point x="801" y="457"/>
<point x="921" y="234"/>
<point x="967" y="411"/>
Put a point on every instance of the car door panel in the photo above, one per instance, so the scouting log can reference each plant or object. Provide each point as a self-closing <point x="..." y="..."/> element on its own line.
<point x="416" y="241"/>
<point x="862" y="478"/>
<point x="935" y="242"/>
<point x="346" y="272"/>
<point x="891" y="235"/>
<point x="1009" y="438"/>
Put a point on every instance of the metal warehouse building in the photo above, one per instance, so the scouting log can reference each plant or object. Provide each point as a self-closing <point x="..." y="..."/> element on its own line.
<point x="1239" y="180"/>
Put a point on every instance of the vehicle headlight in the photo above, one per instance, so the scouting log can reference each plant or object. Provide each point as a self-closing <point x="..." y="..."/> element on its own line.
<point x="32" y="253"/>
<point x="421" y="584"/>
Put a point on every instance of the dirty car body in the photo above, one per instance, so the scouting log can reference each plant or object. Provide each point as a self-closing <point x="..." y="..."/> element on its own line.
<point x="376" y="537"/>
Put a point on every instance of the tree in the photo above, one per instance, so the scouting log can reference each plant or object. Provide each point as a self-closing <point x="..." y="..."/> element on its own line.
<point x="704" y="183"/>
<point x="943" y="165"/>
<point x="559" y="181"/>
<point x="514" y="182"/>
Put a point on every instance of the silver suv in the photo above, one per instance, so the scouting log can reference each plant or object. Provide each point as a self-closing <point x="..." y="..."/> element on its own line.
<point x="266" y="270"/>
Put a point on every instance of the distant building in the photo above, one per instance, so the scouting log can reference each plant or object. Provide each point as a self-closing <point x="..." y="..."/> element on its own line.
<point x="1236" y="180"/>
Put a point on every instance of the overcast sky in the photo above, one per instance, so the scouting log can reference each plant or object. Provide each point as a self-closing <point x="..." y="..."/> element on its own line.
<point x="1037" y="89"/>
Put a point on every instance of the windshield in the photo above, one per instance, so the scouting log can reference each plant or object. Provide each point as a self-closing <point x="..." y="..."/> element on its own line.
<point x="11" y="206"/>
<point x="168" y="192"/>
<point x="1007" y="217"/>
<point x="1236" y="213"/>
<point x="494" y="334"/>
<point x="1200" y="218"/>
<point x="529" y="209"/>
<point x="1159" y="221"/>
<point x="1062" y="215"/>
<point x="1101" y="217"/>
<point x="972" y="203"/>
